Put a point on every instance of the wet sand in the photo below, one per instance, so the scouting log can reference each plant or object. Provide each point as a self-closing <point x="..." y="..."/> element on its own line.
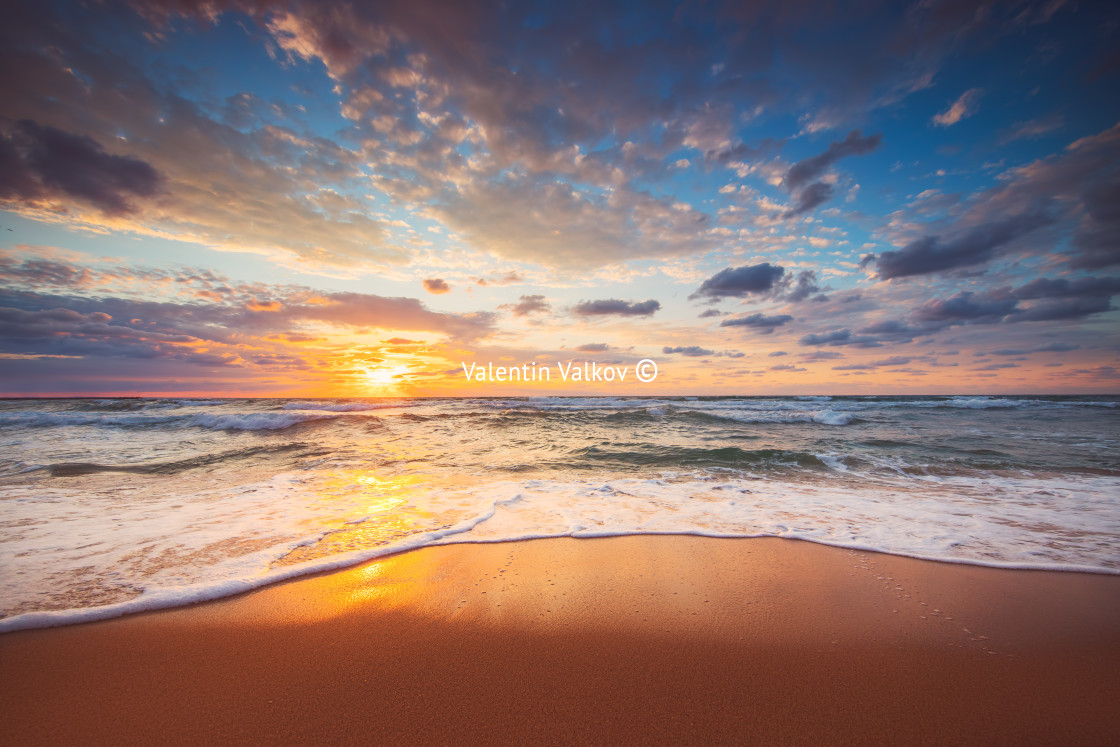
<point x="628" y="639"/>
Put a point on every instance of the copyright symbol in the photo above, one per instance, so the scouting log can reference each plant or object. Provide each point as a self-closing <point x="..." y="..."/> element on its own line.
<point x="646" y="370"/>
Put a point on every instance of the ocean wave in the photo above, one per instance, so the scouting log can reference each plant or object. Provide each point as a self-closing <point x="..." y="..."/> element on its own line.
<point x="682" y="456"/>
<point x="244" y="421"/>
<point x="47" y="419"/>
<point x="820" y="417"/>
<point x="75" y="469"/>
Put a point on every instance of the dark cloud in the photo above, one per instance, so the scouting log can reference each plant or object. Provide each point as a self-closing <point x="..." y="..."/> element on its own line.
<point x="976" y="246"/>
<point x="740" y="281"/>
<point x="840" y="337"/>
<point x="611" y="306"/>
<point x="436" y="286"/>
<point x="1066" y="288"/>
<point x="1048" y="299"/>
<point x="764" y="324"/>
<point x="789" y="367"/>
<point x="855" y="144"/>
<point x="743" y="152"/>
<point x="1073" y="191"/>
<point x="1098" y="237"/>
<point x="890" y="328"/>
<point x="836" y="337"/>
<point x="594" y="347"/>
<point x="820" y="355"/>
<point x="804" y="286"/>
<point x="1066" y="308"/>
<point x="966" y="307"/>
<point x="693" y="351"/>
<point x="40" y="272"/>
<point x="116" y="327"/>
<point x="812" y="196"/>
<point x="1054" y="347"/>
<point x="43" y="163"/>
<point x="527" y="305"/>
<point x="709" y="313"/>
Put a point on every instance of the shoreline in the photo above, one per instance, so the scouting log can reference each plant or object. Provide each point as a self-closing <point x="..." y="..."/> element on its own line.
<point x="567" y="640"/>
<point x="187" y="597"/>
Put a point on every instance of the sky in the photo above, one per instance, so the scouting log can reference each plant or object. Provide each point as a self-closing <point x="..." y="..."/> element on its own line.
<point x="255" y="198"/>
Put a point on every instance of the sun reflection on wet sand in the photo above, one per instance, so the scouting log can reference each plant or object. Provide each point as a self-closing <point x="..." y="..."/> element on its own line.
<point x="387" y="513"/>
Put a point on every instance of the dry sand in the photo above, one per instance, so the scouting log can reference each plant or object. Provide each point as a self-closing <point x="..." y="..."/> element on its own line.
<point x="628" y="639"/>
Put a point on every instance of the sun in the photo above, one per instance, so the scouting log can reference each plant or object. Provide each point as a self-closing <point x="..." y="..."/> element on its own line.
<point x="383" y="376"/>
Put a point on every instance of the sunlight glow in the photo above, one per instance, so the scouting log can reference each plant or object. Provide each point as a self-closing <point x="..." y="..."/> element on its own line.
<point x="382" y="377"/>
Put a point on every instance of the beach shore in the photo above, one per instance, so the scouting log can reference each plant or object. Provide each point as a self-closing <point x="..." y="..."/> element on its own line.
<point x="625" y="639"/>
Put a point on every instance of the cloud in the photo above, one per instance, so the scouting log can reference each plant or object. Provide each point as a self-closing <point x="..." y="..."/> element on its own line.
<point x="436" y="286"/>
<point x="40" y="272"/>
<point x="43" y="163"/>
<point x="1069" y="308"/>
<point x="264" y="186"/>
<point x="613" y="306"/>
<point x="1072" y="189"/>
<point x="527" y="305"/>
<point x="805" y="286"/>
<point x="1054" y="347"/>
<point x="815" y="194"/>
<point x="976" y="246"/>
<point x="740" y="281"/>
<point x="965" y="106"/>
<point x="1066" y="288"/>
<point x="855" y="144"/>
<point x="966" y="306"/>
<point x="560" y="224"/>
<point x="1098" y="236"/>
<point x="764" y="324"/>
<point x="121" y="327"/>
<point x="693" y="351"/>
<point x="594" y="347"/>
<point x="891" y="328"/>
<point x="838" y="338"/>
<point x="1047" y="300"/>
<point x="709" y="313"/>
<point x="1033" y="128"/>
<point x="510" y="278"/>
<point x="820" y="355"/>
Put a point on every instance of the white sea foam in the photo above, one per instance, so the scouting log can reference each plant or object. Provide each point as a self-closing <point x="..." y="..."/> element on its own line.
<point x="167" y="551"/>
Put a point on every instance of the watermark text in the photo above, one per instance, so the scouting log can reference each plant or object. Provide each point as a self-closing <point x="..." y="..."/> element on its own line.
<point x="644" y="372"/>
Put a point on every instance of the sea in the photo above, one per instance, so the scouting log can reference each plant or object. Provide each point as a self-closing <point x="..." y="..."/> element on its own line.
<point x="110" y="506"/>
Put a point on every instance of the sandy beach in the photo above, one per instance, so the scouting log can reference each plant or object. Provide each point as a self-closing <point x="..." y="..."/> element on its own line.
<point x="628" y="639"/>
